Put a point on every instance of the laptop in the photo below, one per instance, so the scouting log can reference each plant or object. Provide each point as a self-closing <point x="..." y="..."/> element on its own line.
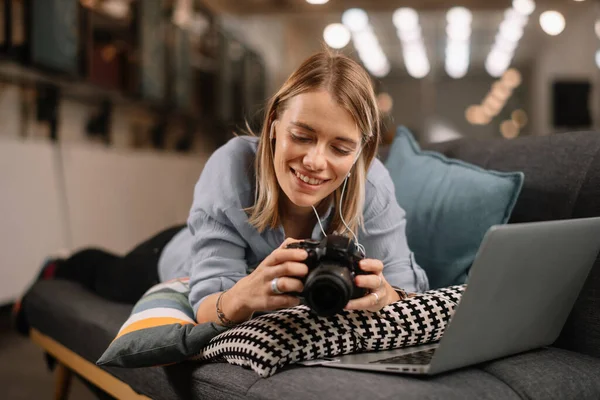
<point x="521" y="289"/>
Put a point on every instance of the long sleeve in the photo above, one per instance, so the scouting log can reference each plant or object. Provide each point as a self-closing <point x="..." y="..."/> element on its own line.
<point x="384" y="233"/>
<point x="218" y="257"/>
<point x="218" y="250"/>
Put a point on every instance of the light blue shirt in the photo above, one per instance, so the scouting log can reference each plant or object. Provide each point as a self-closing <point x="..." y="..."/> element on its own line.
<point x="219" y="247"/>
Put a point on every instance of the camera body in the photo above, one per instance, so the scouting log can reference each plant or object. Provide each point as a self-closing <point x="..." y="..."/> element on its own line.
<point x="332" y="266"/>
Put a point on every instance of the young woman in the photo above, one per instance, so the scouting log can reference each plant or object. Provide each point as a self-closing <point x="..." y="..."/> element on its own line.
<point x="312" y="171"/>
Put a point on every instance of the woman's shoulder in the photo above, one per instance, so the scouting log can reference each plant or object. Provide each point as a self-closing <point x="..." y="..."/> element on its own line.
<point x="378" y="178"/>
<point x="238" y="149"/>
<point x="228" y="175"/>
<point x="379" y="188"/>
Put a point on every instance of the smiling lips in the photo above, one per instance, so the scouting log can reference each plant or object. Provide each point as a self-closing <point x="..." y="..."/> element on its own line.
<point x="308" y="180"/>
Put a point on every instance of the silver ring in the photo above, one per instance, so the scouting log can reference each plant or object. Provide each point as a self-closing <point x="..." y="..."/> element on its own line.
<point x="376" y="297"/>
<point x="274" y="287"/>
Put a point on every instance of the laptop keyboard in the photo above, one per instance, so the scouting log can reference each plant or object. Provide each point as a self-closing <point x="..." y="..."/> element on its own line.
<point x="417" y="358"/>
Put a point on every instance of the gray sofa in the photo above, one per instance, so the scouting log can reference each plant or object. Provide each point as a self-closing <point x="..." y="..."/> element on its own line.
<point x="562" y="180"/>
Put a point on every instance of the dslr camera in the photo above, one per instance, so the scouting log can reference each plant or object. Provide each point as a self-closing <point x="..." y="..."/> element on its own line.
<point x="332" y="266"/>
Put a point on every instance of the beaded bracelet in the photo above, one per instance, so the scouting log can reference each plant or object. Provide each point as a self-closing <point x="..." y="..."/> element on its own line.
<point x="401" y="292"/>
<point x="221" y="315"/>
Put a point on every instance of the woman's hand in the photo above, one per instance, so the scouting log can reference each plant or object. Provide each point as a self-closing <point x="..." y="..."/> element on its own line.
<point x="380" y="291"/>
<point x="257" y="292"/>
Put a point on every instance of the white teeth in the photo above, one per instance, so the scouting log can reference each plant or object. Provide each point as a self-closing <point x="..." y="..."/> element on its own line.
<point x="306" y="179"/>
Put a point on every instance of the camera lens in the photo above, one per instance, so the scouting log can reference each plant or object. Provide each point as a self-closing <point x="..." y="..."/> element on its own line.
<point x="328" y="289"/>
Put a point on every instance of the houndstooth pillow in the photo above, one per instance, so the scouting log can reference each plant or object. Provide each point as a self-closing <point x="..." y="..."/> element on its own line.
<point x="271" y="341"/>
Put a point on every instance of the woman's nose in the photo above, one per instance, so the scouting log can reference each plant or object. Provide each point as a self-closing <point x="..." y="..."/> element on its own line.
<point x="315" y="159"/>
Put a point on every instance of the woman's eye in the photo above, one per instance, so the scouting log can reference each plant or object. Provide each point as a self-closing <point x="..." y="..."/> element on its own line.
<point x="341" y="151"/>
<point x="300" y="139"/>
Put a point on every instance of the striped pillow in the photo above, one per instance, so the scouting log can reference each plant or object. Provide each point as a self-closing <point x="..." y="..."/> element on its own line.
<point x="160" y="330"/>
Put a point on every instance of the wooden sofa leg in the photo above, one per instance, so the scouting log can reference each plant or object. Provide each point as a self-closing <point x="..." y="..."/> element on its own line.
<point x="63" y="382"/>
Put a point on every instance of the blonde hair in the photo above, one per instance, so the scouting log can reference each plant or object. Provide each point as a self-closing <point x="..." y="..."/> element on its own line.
<point x="350" y="85"/>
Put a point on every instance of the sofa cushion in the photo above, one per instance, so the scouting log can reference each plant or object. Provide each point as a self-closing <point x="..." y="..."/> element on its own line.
<point x="541" y="374"/>
<point x="562" y="180"/>
<point x="450" y="205"/>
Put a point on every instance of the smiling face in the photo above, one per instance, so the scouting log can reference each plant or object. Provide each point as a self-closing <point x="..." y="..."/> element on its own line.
<point x="316" y="144"/>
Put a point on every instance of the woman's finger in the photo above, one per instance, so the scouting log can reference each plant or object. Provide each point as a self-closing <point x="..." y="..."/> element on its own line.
<point x="373" y="301"/>
<point x="369" y="281"/>
<point x="288" y="268"/>
<point x="286" y="284"/>
<point x="282" y="255"/>
<point x="288" y="241"/>
<point x="371" y="265"/>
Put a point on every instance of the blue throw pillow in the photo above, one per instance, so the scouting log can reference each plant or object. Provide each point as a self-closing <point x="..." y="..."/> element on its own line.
<point x="449" y="206"/>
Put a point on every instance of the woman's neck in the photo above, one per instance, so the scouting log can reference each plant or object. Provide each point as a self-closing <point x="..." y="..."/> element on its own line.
<point x="298" y="222"/>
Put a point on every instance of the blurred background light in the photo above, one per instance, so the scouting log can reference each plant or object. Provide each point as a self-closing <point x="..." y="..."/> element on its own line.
<point x="405" y="19"/>
<point x="355" y="19"/>
<point x="317" y="1"/>
<point x="520" y="118"/>
<point x="476" y="115"/>
<point x="510" y="32"/>
<point x="458" y="41"/>
<point x="509" y="129"/>
<point x="511" y="78"/>
<point x="336" y="36"/>
<point x="366" y="43"/>
<point x="525" y="7"/>
<point x="552" y="22"/>
<point x="408" y="30"/>
<point x="117" y="8"/>
<point x="385" y="102"/>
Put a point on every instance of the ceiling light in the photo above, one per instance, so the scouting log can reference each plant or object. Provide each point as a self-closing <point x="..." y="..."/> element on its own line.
<point x="355" y="19"/>
<point x="458" y="32"/>
<point x="598" y="58"/>
<point x="317" y="1"/>
<point x="405" y="18"/>
<point x="459" y="16"/>
<point x="524" y="7"/>
<point x="512" y="14"/>
<point x="336" y="36"/>
<point x="365" y="42"/>
<point x="509" y="34"/>
<point x="552" y="22"/>
<point x="408" y="31"/>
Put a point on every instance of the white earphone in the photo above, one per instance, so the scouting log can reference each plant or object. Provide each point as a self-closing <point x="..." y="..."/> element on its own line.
<point x="272" y="129"/>
<point x="354" y="162"/>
